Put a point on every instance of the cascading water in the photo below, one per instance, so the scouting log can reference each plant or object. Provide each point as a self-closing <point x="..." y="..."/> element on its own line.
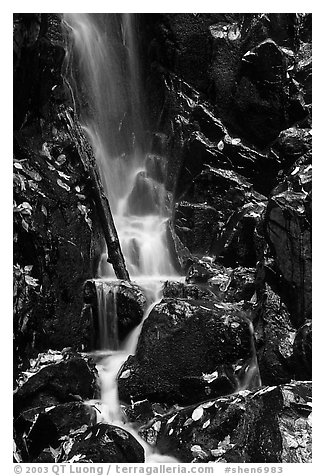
<point x="106" y="60"/>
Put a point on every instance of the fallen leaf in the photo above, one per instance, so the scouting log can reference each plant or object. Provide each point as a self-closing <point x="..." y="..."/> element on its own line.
<point x="157" y="425"/>
<point x="220" y="145"/>
<point x="63" y="175"/>
<point x="125" y="374"/>
<point x="24" y="224"/>
<point x="206" y="424"/>
<point x="63" y="185"/>
<point x="198" y="413"/>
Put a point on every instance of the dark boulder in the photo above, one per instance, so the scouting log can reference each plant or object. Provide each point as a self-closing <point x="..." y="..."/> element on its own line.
<point x="103" y="443"/>
<point x="45" y="429"/>
<point x="177" y="289"/>
<point x="66" y="381"/>
<point x="261" y="98"/>
<point x="302" y="352"/>
<point x="288" y="230"/>
<point x="196" y="225"/>
<point x="270" y="425"/>
<point x="274" y="339"/>
<point x="183" y="339"/>
<point x="292" y="144"/>
<point x="219" y="214"/>
<point x="218" y="282"/>
<point x="56" y="231"/>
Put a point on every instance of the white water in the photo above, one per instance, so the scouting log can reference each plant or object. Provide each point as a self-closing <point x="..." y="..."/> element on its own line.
<point x="106" y="58"/>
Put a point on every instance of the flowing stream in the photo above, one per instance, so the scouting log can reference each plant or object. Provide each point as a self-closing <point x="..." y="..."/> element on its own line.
<point x="107" y="86"/>
<point x="106" y="75"/>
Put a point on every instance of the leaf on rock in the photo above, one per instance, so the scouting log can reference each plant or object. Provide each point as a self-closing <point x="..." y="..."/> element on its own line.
<point x="210" y="377"/>
<point x="63" y="185"/>
<point x="188" y="422"/>
<point x="207" y="404"/>
<point x="156" y="426"/>
<point x="17" y="165"/>
<point x="125" y="374"/>
<point x="61" y="159"/>
<point x="197" y="414"/>
<point x="172" y="419"/>
<point x="31" y="281"/>
<point x="63" y="175"/>
<point x="206" y="424"/>
<point x="220" y="145"/>
<point x="24" y="224"/>
<point x="198" y="452"/>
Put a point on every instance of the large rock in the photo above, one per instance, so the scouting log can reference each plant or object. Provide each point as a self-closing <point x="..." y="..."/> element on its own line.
<point x="288" y="227"/>
<point x="270" y="425"/>
<point x="56" y="232"/>
<point x="61" y="382"/>
<point x="302" y="352"/>
<point x="37" y="432"/>
<point x="103" y="443"/>
<point x="219" y="214"/>
<point x="275" y="337"/>
<point x="182" y="341"/>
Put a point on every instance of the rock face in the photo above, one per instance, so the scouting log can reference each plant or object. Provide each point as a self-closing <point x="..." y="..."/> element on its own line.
<point x="182" y="340"/>
<point x="288" y="226"/>
<point x="106" y="444"/>
<point x="56" y="229"/>
<point x="65" y="381"/>
<point x="39" y="430"/>
<point x="270" y="425"/>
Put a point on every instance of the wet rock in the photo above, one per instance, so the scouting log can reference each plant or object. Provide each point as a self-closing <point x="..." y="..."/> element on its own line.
<point x="288" y="228"/>
<point x="58" y="234"/>
<point x="292" y="144"/>
<point x="176" y="289"/>
<point x="156" y="167"/>
<point x="223" y="284"/>
<point x="128" y="298"/>
<point x="275" y="337"/>
<point x="182" y="339"/>
<point x="302" y="352"/>
<point x="261" y="94"/>
<point x="105" y="444"/>
<point x="62" y="382"/>
<point x="270" y="425"/>
<point x="47" y="427"/>
<point x="220" y="216"/>
<point x="180" y="254"/>
<point x="196" y="225"/>
<point x="148" y="196"/>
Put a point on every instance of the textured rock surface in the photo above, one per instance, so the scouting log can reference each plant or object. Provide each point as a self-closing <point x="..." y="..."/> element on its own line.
<point x="288" y="227"/>
<point x="40" y="431"/>
<point x="56" y="231"/>
<point x="270" y="425"/>
<point x="106" y="444"/>
<point x="67" y="380"/>
<point x="183" y="339"/>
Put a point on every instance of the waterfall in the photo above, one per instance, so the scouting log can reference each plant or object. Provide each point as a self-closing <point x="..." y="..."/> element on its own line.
<point x="107" y="84"/>
<point x="106" y="58"/>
